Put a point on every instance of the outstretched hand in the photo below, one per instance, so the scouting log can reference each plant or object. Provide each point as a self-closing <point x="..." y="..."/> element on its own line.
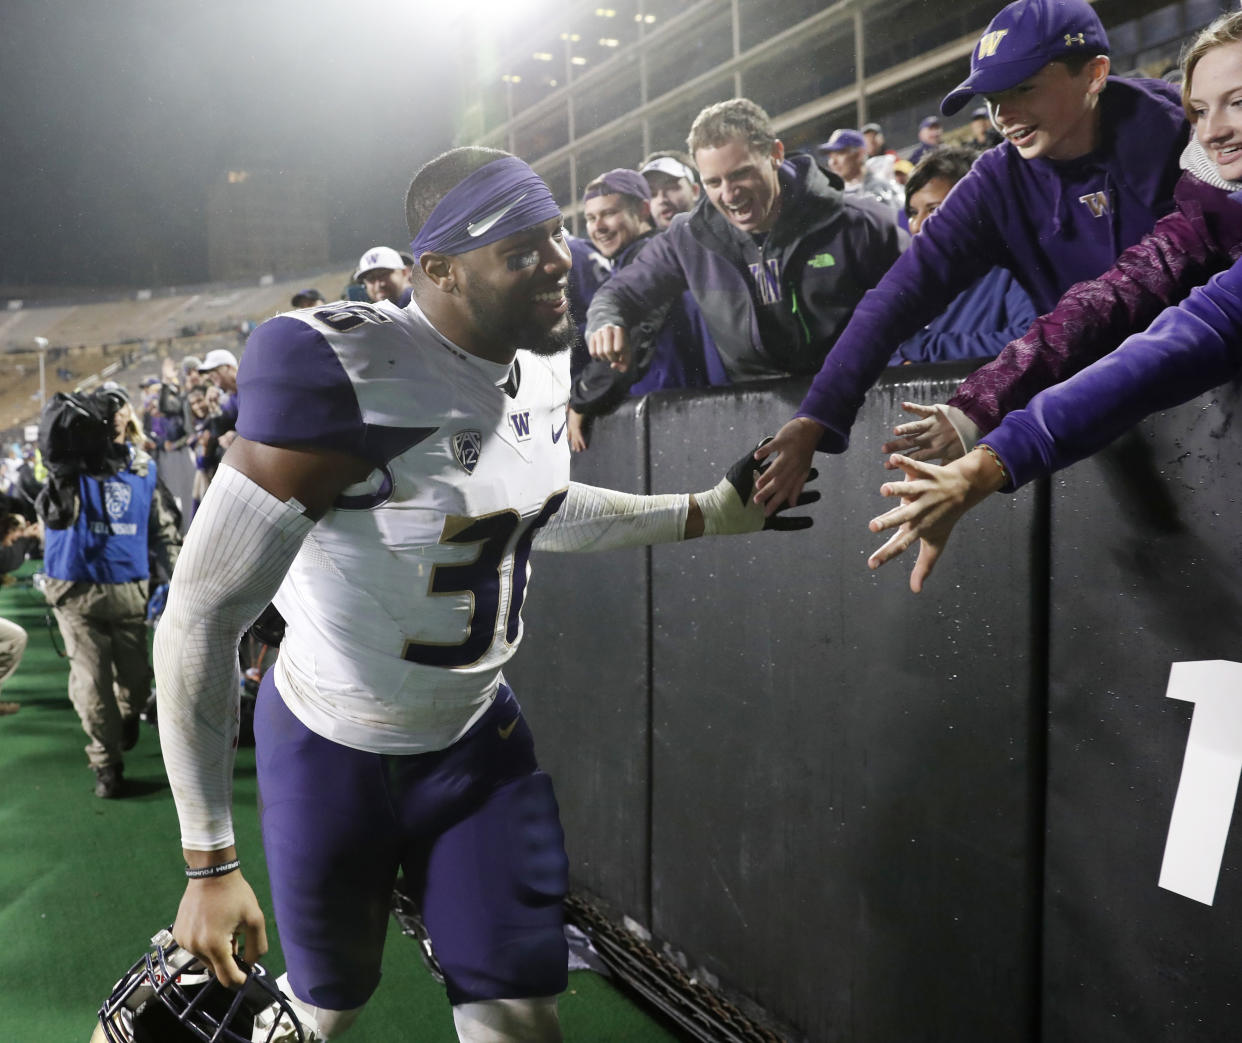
<point x="932" y="500"/>
<point x="941" y="433"/>
<point x="779" y="484"/>
<point x="731" y="508"/>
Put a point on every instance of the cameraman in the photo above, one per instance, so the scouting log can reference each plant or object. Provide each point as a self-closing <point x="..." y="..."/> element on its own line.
<point x="97" y="571"/>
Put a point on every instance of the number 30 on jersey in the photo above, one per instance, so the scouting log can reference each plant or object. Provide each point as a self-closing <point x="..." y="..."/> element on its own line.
<point x="499" y="537"/>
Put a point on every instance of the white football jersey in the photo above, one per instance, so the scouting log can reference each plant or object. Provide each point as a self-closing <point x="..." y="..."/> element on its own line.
<point x="404" y="602"/>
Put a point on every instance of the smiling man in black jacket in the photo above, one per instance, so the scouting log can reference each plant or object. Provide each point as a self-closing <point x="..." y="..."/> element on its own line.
<point x="776" y="255"/>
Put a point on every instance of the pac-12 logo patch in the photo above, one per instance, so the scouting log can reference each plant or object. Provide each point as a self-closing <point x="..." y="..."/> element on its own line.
<point x="520" y="422"/>
<point x="466" y="448"/>
<point x="116" y="497"/>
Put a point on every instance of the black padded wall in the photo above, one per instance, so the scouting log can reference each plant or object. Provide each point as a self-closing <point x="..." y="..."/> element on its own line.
<point x="581" y="676"/>
<point x="845" y="785"/>
<point x="1145" y="546"/>
<point x="836" y="796"/>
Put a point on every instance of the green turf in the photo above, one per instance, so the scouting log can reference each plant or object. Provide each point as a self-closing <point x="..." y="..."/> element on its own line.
<point x="85" y="882"/>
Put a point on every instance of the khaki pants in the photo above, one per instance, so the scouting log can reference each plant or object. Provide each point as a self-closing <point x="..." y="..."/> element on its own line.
<point x="105" y="633"/>
<point x="12" y="645"/>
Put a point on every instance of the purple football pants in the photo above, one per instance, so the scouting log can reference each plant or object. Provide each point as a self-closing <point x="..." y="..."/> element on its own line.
<point x="475" y="827"/>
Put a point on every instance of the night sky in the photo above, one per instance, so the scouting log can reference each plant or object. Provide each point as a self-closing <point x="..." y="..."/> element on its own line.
<point x="115" y="116"/>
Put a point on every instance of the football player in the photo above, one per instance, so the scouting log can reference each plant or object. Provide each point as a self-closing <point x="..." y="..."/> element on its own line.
<point x="394" y="469"/>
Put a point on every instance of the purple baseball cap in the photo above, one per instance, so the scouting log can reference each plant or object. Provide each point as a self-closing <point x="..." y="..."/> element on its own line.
<point x="1021" y="40"/>
<point x="843" y="139"/>
<point x="621" y="181"/>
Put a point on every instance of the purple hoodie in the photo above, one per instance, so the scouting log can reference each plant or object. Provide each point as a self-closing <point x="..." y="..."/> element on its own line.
<point x="1186" y="351"/>
<point x="1051" y="224"/>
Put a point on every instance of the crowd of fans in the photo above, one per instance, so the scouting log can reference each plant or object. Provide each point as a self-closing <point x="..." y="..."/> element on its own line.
<point x="755" y="277"/>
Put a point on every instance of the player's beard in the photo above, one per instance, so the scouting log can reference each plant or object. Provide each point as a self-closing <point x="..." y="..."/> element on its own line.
<point x="498" y="321"/>
<point x="559" y="338"/>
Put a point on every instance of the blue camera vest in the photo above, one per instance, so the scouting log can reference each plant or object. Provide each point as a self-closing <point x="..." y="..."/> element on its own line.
<point x="108" y="541"/>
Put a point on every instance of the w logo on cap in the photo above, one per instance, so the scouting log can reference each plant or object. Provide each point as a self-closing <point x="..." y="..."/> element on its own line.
<point x="990" y="41"/>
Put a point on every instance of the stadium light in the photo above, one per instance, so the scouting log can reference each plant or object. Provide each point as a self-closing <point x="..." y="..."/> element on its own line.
<point x="41" y="343"/>
<point x="498" y="17"/>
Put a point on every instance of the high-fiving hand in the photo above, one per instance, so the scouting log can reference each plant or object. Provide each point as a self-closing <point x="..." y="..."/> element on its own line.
<point x="932" y="500"/>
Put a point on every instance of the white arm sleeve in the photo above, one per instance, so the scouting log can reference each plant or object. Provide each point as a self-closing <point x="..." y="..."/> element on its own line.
<point x="604" y="519"/>
<point x="236" y="553"/>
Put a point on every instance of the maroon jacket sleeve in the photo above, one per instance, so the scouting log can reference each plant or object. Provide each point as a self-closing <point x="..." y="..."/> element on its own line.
<point x="1095" y="316"/>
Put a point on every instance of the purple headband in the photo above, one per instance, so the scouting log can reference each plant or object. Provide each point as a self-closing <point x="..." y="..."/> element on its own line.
<point x="496" y="201"/>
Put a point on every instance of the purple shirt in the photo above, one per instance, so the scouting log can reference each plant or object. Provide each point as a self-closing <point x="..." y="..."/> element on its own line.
<point x="1051" y="224"/>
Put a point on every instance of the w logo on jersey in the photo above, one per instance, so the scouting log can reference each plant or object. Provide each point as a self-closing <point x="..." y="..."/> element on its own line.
<point x="117" y="496"/>
<point x="1096" y="202"/>
<point x="990" y="41"/>
<point x="520" y="422"/>
<point x="767" y="278"/>
<point x="466" y="448"/>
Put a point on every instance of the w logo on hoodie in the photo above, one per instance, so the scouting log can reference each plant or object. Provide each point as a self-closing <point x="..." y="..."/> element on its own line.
<point x="767" y="276"/>
<point x="1096" y="202"/>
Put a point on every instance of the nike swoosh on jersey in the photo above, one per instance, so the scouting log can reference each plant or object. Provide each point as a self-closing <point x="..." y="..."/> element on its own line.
<point x="487" y="221"/>
<point x="505" y="730"/>
<point x="557" y="432"/>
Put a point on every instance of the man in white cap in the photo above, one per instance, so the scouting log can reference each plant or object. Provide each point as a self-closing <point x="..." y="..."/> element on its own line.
<point x="220" y="365"/>
<point x="674" y="185"/>
<point x="385" y="274"/>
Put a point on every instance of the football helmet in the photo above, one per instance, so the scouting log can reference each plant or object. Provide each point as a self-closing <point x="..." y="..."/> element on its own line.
<point x="169" y="996"/>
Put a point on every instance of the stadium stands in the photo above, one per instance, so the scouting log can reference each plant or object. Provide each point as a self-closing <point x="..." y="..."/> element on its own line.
<point x="123" y="339"/>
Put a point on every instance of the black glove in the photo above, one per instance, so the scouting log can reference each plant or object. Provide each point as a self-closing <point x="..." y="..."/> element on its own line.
<point x="730" y="508"/>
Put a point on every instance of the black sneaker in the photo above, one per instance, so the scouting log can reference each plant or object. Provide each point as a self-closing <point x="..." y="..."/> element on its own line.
<point x="129" y="732"/>
<point x="108" y="781"/>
